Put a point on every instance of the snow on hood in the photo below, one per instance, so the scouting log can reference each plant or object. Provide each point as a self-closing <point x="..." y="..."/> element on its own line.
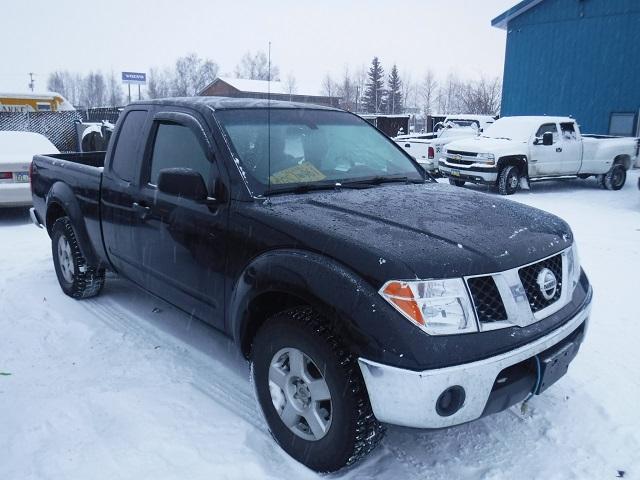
<point x="483" y="145"/>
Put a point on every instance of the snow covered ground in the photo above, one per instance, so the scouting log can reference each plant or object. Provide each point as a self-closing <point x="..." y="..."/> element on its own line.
<point x="125" y="387"/>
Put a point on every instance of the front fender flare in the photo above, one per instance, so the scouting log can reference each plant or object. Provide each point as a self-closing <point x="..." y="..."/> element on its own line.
<point x="362" y="318"/>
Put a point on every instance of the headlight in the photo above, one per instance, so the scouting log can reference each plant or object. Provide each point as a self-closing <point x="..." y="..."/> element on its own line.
<point x="487" y="157"/>
<point x="574" y="266"/>
<point x="439" y="307"/>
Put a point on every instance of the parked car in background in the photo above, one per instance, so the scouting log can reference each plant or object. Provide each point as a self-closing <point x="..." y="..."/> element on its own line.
<point x="16" y="152"/>
<point x="523" y="149"/>
<point x="301" y="232"/>
<point x="426" y="147"/>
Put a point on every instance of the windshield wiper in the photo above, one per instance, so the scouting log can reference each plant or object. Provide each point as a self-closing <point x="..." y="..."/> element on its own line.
<point x="303" y="188"/>
<point x="380" y="179"/>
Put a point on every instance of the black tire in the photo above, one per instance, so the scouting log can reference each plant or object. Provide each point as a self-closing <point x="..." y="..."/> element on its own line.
<point x="615" y="178"/>
<point x="457" y="183"/>
<point x="509" y="180"/>
<point x="82" y="281"/>
<point x="353" y="430"/>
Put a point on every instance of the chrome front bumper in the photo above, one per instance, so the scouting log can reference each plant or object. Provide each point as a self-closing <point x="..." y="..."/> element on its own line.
<point x="408" y="398"/>
<point x="476" y="172"/>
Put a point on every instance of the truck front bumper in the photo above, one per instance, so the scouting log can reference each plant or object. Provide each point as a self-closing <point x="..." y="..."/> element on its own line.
<point x="473" y="173"/>
<point x="428" y="399"/>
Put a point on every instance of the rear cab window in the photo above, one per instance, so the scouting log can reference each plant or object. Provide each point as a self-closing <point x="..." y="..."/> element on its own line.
<point x="124" y="162"/>
<point x="568" y="130"/>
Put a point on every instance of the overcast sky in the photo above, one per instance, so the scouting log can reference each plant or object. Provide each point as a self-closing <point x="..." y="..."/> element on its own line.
<point x="309" y="38"/>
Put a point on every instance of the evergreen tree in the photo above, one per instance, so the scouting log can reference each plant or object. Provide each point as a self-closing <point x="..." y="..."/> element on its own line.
<point x="374" y="95"/>
<point x="394" y="94"/>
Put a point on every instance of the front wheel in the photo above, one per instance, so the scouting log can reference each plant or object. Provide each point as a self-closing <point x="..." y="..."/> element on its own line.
<point x="457" y="183"/>
<point x="76" y="278"/>
<point x="508" y="180"/>
<point x="615" y="178"/>
<point x="311" y="391"/>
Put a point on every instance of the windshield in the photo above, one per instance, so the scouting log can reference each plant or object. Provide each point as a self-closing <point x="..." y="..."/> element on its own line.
<point x="510" y="128"/>
<point x="463" y="123"/>
<point x="312" y="148"/>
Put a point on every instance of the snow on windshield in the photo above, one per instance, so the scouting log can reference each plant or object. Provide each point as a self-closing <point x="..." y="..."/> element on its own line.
<point x="511" y="128"/>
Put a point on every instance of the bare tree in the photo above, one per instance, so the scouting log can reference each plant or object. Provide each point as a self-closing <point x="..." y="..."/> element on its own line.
<point x="115" y="98"/>
<point x="328" y="86"/>
<point x="256" y="67"/>
<point x="159" y="83"/>
<point x="56" y="83"/>
<point x="94" y="90"/>
<point x="192" y="74"/>
<point x="428" y="92"/>
<point x="347" y="91"/>
<point x="481" y="96"/>
<point x="449" y="95"/>
<point x="290" y="85"/>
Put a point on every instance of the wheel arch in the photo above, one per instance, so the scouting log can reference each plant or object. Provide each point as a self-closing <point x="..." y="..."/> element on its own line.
<point x="61" y="202"/>
<point x="280" y="279"/>
<point x="519" y="161"/>
<point x="623" y="159"/>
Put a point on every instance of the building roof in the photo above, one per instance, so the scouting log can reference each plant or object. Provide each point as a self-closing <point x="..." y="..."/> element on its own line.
<point x="255" y="86"/>
<point x="502" y="20"/>
<point x="258" y="86"/>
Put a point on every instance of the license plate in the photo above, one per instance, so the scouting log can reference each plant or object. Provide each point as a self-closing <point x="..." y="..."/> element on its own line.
<point x="555" y="364"/>
<point x="22" y="177"/>
<point x="455" y="173"/>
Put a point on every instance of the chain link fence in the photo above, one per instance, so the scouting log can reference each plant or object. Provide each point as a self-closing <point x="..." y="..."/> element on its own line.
<point x="58" y="127"/>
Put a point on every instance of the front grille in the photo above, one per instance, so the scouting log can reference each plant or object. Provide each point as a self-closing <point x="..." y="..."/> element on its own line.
<point x="486" y="298"/>
<point x="529" y="278"/>
<point x="460" y="162"/>
<point x="464" y="154"/>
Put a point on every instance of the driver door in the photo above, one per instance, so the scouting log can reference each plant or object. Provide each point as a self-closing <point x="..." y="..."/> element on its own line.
<point x="182" y="246"/>
<point x="546" y="159"/>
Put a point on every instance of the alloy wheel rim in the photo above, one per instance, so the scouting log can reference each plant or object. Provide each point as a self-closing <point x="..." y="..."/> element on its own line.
<point x="65" y="259"/>
<point x="300" y="394"/>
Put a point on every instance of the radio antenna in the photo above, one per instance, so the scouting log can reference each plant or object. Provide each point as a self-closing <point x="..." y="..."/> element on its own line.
<point x="269" y="124"/>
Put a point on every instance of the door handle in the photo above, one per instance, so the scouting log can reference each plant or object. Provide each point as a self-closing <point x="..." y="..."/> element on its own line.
<point x="407" y="145"/>
<point x="142" y="210"/>
<point x="559" y="149"/>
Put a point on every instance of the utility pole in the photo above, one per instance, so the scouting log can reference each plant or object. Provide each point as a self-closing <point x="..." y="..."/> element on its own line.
<point x="31" y="81"/>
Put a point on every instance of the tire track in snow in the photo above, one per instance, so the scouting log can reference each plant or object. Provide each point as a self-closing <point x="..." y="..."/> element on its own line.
<point x="224" y="390"/>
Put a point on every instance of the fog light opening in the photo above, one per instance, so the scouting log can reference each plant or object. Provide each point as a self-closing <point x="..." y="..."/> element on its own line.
<point x="450" y="401"/>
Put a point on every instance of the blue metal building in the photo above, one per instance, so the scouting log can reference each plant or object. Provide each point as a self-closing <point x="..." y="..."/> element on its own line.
<point x="574" y="57"/>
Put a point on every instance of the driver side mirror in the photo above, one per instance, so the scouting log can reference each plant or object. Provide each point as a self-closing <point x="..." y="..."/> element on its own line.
<point x="183" y="182"/>
<point x="547" y="139"/>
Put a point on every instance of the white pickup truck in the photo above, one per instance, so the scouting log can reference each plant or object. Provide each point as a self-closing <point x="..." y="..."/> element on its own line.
<point x="425" y="147"/>
<point x="516" y="150"/>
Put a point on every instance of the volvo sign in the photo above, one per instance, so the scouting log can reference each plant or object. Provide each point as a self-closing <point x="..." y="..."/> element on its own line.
<point x="135" y="78"/>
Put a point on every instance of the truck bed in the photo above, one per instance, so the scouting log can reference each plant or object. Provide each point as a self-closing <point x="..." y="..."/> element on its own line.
<point x="72" y="180"/>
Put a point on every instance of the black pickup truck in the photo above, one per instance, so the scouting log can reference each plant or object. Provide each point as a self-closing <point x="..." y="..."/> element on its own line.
<point x="363" y="292"/>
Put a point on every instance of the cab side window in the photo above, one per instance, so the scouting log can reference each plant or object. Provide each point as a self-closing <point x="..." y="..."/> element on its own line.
<point x="568" y="131"/>
<point x="177" y="146"/>
<point x="546" y="128"/>
<point x="124" y="163"/>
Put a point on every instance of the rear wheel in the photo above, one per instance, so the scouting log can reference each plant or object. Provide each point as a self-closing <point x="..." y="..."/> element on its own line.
<point x="76" y="278"/>
<point x="311" y="391"/>
<point x="509" y="180"/>
<point x="615" y="178"/>
<point x="457" y="183"/>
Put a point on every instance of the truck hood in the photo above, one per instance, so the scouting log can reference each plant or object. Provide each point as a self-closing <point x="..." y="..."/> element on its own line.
<point x="496" y="146"/>
<point x="418" y="231"/>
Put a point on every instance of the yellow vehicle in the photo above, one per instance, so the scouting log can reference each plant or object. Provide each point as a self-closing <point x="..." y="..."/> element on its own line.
<point x="33" y="102"/>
